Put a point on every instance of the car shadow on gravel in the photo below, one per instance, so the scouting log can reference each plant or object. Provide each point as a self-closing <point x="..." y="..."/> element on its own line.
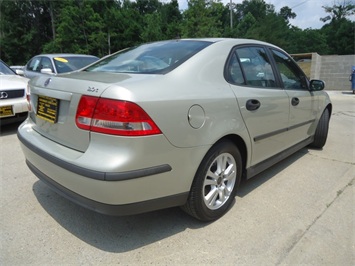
<point x="113" y="233"/>
<point x="249" y="185"/>
<point x="126" y="233"/>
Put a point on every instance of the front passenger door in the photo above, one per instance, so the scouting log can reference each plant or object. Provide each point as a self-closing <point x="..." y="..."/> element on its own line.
<point x="263" y="106"/>
<point x="303" y="102"/>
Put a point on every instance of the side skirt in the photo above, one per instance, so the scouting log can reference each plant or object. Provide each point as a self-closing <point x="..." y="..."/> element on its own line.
<point x="256" y="169"/>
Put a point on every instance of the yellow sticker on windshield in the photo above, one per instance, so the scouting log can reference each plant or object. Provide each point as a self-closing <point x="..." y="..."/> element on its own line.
<point x="61" y="59"/>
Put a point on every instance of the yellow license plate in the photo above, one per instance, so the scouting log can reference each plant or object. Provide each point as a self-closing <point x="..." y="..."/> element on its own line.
<point x="47" y="108"/>
<point x="6" y="111"/>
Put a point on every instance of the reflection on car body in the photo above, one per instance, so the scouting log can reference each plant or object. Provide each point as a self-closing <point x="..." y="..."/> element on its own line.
<point x="171" y="123"/>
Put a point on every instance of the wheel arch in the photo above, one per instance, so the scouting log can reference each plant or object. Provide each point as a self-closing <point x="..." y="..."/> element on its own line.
<point x="330" y="108"/>
<point x="241" y="145"/>
<point x="195" y="204"/>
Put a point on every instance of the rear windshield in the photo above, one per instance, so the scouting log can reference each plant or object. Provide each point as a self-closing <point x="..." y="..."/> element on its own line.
<point x="157" y="58"/>
<point x="70" y="63"/>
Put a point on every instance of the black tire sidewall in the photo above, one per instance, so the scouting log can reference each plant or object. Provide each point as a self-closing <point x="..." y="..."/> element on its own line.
<point x="321" y="134"/>
<point x="202" y="210"/>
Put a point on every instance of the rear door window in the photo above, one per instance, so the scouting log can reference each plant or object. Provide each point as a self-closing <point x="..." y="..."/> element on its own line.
<point x="256" y="67"/>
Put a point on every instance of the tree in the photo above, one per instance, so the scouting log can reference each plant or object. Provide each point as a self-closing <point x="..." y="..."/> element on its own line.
<point x="202" y="19"/>
<point x="171" y="19"/>
<point x="339" y="11"/>
<point x="245" y="25"/>
<point x="152" y="30"/>
<point x="286" y="13"/>
<point x="340" y="36"/>
<point x="258" y="8"/>
<point x="340" y="31"/>
<point x="30" y="27"/>
<point x="272" y="28"/>
<point x="146" y="6"/>
<point x="307" y="41"/>
<point x="25" y="28"/>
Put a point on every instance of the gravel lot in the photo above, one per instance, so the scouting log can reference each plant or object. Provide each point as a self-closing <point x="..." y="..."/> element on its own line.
<point x="301" y="211"/>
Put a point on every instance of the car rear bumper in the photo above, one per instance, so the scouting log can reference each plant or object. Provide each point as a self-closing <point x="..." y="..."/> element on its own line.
<point x="19" y="117"/>
<point x="105" y="176"/>
<point x="19" y="109"/>
<point x="109" y="209"/>
<point x="127" y="178"/>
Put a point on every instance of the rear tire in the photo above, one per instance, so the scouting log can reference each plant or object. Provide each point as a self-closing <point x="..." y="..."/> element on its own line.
<point x="321" y="134"/>
<point x="215" y="184"/>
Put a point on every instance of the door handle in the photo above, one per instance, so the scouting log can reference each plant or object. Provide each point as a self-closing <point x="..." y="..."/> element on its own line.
<point x="295" y="101"/>
<point x="252" y="104"/>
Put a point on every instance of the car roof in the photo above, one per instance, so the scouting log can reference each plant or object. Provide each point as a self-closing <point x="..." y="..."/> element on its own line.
<point x="66" y="55"/>
<point x="233" y="41"/>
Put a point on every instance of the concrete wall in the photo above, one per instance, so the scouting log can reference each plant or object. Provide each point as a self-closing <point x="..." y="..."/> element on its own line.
<point x="316" y="66"/>
<point x="333" y="69"/>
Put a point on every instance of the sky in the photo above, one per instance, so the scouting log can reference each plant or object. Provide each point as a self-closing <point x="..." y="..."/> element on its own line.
<point x="308" y="12"/>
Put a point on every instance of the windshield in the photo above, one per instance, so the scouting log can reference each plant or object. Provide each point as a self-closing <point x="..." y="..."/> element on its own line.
<point x="71" y="63"/>
<point x="157" y="58"/>
<point x="5" y="70"/>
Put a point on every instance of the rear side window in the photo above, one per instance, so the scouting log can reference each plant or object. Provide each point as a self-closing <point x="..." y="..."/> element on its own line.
<point x="250" y="66"/>
<point x="157" y="58"/>
<point x="234" y="72"/>
<point x="34" y="65"/>
<point x="291" y="76"/>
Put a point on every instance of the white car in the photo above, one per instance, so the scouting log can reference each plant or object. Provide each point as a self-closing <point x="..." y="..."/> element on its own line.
<point x="13" y="96"/>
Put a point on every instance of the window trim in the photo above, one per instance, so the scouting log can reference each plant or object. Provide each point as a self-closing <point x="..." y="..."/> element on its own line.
<point x="278" y="83"/>
<point x="297" y="67"/>
<point x="269" y="52"/>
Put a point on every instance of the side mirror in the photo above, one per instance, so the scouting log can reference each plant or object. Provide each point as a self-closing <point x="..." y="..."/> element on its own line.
<point x="316" y="85"/>
<point x="20" y="72"/>
<point x="46" y="71"/>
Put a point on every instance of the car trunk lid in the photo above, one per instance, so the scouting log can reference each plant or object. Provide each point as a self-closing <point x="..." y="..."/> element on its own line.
<point x="54" y="103"/>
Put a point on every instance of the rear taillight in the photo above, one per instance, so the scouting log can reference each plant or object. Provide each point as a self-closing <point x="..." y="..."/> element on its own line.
<point x="114" y="117"/>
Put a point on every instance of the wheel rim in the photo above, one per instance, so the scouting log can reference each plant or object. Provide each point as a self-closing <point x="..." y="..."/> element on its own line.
<point x="219" y="181"/>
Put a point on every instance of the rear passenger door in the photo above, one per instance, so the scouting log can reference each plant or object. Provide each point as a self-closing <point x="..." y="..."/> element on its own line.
<point x="303" y="102"/>
<point x="264" y="105"/>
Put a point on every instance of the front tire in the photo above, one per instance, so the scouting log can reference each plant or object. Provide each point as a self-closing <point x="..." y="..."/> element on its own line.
<point x="215" y="184"/>
<point x="321" y="134"/>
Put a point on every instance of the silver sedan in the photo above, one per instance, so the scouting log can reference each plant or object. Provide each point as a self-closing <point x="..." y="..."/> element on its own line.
<point x="171" y="123"/>
<point x="53" y="64"/>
